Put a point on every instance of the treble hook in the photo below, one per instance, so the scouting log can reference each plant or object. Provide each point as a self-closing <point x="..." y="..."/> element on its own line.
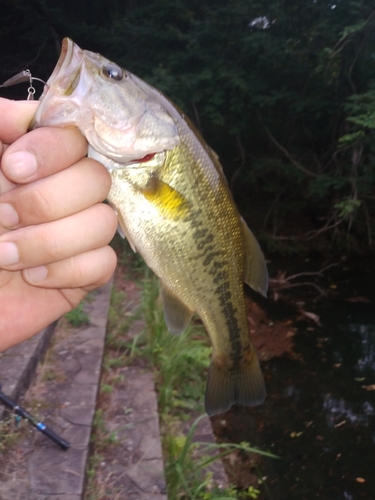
<point x="24" y="76"/>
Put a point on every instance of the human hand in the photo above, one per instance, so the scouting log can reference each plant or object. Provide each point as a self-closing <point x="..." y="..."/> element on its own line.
<point x="54" y="230"/>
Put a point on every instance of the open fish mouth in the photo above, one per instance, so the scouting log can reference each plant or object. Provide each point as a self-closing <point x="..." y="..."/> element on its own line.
<point x="66" y="56"/>
<point x="61" y="84"/>
<point x="67" y="69"/>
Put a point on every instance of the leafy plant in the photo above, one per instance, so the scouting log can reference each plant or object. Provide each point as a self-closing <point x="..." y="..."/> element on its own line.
<point x="347" y="207"/>
<point x="101" y="435"/>
<point x="77" y="316"/>
<point x="186" y="473"/>
<point x="8" y="433"/>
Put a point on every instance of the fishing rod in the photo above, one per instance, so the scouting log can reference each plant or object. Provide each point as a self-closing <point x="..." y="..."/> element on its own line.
<point x="33" y="421"/>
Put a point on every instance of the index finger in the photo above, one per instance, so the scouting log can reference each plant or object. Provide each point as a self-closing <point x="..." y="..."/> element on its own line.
<point x="43" y="152"/>
<point x="15" y="118"/>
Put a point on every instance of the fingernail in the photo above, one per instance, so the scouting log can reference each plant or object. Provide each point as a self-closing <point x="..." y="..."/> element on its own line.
<point x="36" y="274"/>
<point x="20" y="165"/>
<point x="8" y="215"/>
<point x="8" y="254"/>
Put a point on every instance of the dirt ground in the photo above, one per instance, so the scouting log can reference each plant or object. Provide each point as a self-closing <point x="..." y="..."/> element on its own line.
<point x="270" y="338"/>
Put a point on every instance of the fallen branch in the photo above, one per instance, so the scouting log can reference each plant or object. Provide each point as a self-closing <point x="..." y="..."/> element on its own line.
<point x="294" y="285"/>
<point x="282" y="282"/>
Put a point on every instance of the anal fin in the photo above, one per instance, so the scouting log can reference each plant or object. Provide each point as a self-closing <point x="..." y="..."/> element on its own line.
<point x="177" y="316"/>
<point x="243" y="384"/>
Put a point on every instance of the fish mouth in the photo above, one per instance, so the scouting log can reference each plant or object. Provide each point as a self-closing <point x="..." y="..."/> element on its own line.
<point x="62" y="82"/>
<point x="64" y="61"/>
<point x="66" y="56"/>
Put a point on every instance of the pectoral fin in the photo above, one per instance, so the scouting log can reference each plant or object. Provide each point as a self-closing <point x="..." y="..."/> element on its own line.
<point x="123" y="231"/>
<point x="256" y="274"/>
<point x="166" y="199"/>
<point x="177" y="316"/>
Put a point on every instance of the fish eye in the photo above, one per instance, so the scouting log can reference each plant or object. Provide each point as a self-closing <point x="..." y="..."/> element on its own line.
<point x="112" y="71"/>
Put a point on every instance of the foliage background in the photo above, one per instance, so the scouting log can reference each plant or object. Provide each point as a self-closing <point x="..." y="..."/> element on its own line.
<point x="283" y="91"/>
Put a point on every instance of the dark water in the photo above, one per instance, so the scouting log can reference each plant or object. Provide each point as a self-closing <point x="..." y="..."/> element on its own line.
<point x="318" y="416"/>
<point x="323" y="399"/>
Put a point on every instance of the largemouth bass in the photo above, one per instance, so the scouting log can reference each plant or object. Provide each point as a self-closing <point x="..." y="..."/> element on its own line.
<point x="173" y="206"/>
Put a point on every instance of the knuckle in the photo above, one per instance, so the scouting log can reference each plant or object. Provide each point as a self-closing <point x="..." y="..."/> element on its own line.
<point x="76" y="272"/>
<point x="40" y="205"/>
<point x="49" y="244"/>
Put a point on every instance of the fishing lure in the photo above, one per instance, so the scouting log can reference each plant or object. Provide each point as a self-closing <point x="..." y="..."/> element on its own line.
<point x="21" y="77"/>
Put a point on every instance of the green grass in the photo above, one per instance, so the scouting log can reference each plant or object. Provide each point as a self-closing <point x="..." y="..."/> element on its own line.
<point x="101" y="439"/>
<point x="77" y="316"/>
<point x="186" y="470"/>
<point x="9" y="433"/>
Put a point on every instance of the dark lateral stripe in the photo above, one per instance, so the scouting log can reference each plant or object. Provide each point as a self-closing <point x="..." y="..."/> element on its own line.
<point x="200" y="233"/>
<point x="216" y="268"/>
<point x="229" y="313"/>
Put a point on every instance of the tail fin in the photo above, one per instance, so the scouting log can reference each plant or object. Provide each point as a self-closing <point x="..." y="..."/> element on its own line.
<point x="243" y="384"/>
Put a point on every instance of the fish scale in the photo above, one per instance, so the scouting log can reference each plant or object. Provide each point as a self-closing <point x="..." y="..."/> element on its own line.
<point x="173" y="205"/>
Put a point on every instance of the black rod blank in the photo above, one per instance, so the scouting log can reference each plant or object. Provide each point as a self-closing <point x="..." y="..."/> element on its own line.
<point x="33" y="421"/>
